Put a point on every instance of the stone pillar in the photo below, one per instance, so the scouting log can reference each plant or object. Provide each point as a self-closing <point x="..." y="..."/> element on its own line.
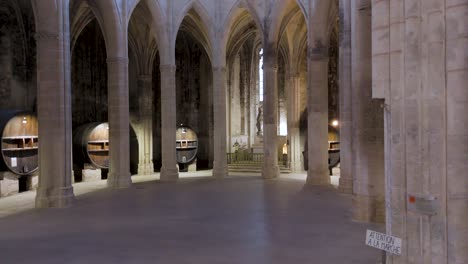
<point x="145" y="140"/>
<point x="54" y="104"/>
<point x="228" y="112"/>
<point x="392" y="92"/>
<point x="205" y="118"/>
<point x="456" y="106"/>
<point x="235" y="106"/>
<point x="220" y="125"/>
<point x="119" y="123"/>
<point x="367" y="122"/>
<point x="317" y="125"/>
<point x="294" y="116"/>
<point x="346" y="176"/>
<point x="253" y="101"/>
<point x="270" y="115"/>
<point x="420" y="62"/>
<point x="169" y="171"/>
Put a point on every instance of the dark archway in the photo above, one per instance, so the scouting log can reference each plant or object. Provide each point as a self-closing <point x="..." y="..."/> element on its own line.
<point x="89" y="77"/>
<point x="18" y="86"/>
<point x="194" y="94"/>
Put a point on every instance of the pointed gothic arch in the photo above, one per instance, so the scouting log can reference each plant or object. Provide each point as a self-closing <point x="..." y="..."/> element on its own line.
<point x="196" y="20"/>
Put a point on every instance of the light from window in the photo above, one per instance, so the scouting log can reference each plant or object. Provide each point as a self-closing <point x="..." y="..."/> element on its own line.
<point x="260" y="76"/>
<point x="283" y="128"/>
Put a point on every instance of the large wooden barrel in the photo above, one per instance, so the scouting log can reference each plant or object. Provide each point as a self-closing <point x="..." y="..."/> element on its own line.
<point x="20" y="142"/>
<point x="91" y="145"/>
<point x="186" y="145"/>
<point x="333" y="159"/>
<point x="333" y="150"/>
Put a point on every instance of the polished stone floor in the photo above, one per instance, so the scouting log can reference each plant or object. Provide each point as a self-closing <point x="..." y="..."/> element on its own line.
<point x="197" y="220"/>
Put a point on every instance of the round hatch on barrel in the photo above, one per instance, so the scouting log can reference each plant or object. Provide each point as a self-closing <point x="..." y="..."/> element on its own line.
<point x="186" y="145"/>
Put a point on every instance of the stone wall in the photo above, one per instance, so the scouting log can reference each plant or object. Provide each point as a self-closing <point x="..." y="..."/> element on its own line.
<point x="420" y="65"/>
<point x="156" y="82"/>
<point x="17" y="55"/>
<point x="243" y="90"/>
<point x="193" y="93"/>
<point x="89" y="84"/>
<point x="89" y="77"/>
<point x="333" y="78"/>
<point x="282" y="86"/>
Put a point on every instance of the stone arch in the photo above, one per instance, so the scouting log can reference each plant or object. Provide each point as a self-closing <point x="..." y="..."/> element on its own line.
<point x="40" y="20"/>
<point x="17" y="59"/>
<point x="143" y="43"/>
<point x="158" y="21"/>
<point x="112" y="25"/>
<point x="320" y="13"/>
<point x="19" y="19"/>
<point x="200" y="28"/>
<point x="194" y="85"/>
<point x="142" y="39"/>
<point x="240" y="11"/>
<point x="89" y="76"/>
<point x="159" y="18"/>
<point x="242" y="24"/>
<point x="300" y="52"/>
<point x="81" y="14"/>
<point x="78" y="25"/>
<point x="242" y="39"/>
<point x="133" y="5"/>
<point x="283" y="12"/>
<point x="294" y="33"/>
<point x="333" y="17"/>
<point x="303" y="9"/>
<point x="284" y="50"/>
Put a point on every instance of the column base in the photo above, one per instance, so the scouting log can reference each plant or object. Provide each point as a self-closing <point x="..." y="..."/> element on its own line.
<point x="220" y="169"/>
<point x="220" y="172"/>
<point x="345" y="186"/>
<point x="368" y="208"/>
<point x="119" y="181"/>
<point x="169" y="174"/>
<point x="296" y="167"/>
<point x="145" y="169"/>
<point x="8" y="184"/>
<point x="318" y="177"/>
<point x="270" y="172"/>
<point x="54" y="197"/>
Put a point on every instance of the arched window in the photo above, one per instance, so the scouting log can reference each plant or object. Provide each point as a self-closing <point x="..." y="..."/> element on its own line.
<point x="260" y="76"/>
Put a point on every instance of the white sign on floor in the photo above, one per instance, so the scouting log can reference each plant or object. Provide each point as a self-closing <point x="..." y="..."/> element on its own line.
<point x="385" y="242"/>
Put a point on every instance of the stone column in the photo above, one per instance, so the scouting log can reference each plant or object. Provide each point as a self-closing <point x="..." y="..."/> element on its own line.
<point x="317" y="125"/>
<point x="456" y="167"/>
<point x="54" y="104"/>
<point x="119" y="123"/>
<point x="367" y="122"/>
<point x="235" y="106"/>
<point x="270" y="115"/>
<point x="253" y="101"/>
<point x="294" y="116"/>
<point x="392" y="92"/>
<point x="220" y="124"/>
<point x="228" y="113"/>
<point x="145" y="141"/>
<point x="206" y="119"/>
<point x="420" y="68"/>
<point x="346" y="177"/>
<point x="169" y="170"/>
